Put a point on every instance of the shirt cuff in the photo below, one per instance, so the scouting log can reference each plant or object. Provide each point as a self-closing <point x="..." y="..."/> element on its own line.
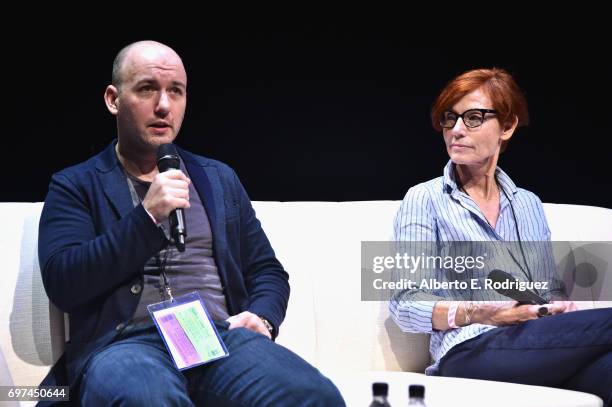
<point x="151" y="216"/>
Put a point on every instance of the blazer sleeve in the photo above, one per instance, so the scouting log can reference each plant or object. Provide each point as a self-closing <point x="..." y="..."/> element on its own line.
<point x="266" y="280"/>
<point x="77" y="263"/>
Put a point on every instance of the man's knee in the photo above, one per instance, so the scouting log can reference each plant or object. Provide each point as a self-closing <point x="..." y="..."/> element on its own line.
<point x="314" y="390"/>
<point x="117" y="377"/>
<point x="329" y="395"/>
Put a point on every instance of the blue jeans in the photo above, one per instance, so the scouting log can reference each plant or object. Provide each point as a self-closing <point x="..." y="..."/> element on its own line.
<point x="571" y="351"/>
<point x="136" y="370"/>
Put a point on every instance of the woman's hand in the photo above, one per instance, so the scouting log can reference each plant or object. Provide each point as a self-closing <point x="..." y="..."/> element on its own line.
<point x="564" y="306"/>
<point x="501" y="313"/>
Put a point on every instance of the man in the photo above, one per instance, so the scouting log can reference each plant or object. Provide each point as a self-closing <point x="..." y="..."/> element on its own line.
<point x="104" y="240"/>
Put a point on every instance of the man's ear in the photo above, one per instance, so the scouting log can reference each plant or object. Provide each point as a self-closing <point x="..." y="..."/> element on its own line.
<point x="111" y="98"/>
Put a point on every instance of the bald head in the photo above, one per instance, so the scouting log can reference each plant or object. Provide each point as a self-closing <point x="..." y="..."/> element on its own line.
<point x="133" y="53"/>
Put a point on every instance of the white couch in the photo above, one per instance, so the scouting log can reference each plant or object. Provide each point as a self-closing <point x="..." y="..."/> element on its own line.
<point x="352" y="341"/>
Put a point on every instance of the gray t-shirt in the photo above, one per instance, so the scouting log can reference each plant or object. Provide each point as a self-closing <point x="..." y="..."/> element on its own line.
<point x="192" y="270"/>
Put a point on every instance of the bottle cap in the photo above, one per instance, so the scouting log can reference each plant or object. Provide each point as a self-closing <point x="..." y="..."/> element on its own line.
<point x="416" y="390"/>
<point x="380" y="389"/>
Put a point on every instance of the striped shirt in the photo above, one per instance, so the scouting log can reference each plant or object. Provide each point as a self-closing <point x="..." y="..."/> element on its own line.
<point x="438" y="211"/>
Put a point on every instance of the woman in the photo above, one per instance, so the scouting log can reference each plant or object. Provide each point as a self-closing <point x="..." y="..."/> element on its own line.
<point x="475" y="200"/>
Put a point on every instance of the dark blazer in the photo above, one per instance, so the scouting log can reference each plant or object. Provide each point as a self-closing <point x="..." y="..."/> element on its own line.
<point x="93" y="244"/>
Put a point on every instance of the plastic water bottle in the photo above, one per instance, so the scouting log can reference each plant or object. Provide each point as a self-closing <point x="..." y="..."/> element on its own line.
<point x="380" y="392"/>
<point x="416" y="395"/>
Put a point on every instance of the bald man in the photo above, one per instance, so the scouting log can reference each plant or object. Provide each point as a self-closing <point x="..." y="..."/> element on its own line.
<point x="104" y="248"/>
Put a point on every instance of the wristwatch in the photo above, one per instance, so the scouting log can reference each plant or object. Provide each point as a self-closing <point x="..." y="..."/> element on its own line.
<point x="267" y="324"/>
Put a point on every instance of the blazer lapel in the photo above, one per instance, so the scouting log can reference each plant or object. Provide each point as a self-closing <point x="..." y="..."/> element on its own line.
<point x="117" y="191"/>
<point x="207" y="183"/>
<point x="114" y="182"/>
<point x="201" y="181"/>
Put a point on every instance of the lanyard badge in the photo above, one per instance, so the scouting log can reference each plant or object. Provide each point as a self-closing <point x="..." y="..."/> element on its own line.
<point x="187" y="330"/>
<point x="185" y="325"/>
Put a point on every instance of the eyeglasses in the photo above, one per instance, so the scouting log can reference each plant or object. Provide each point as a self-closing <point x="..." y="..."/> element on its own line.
<point x="471" y="118"/>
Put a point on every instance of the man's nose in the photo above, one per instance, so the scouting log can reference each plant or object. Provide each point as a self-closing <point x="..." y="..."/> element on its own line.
<point x="163" y="104"/>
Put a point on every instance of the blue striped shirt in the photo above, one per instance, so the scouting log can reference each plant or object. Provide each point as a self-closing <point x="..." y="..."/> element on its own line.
<point x="438" y="211"/>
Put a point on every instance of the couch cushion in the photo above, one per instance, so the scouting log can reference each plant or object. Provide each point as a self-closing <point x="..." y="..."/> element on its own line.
<point x="578" y="222"/>
<point x="33" y="329"/>
<point x="581" y="223"/>
<point x="325" y="242"/>
<point x="295" y="253"/>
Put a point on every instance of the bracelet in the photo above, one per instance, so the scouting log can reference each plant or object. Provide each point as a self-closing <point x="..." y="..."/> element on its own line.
<point x="468" y="309"/>
<point x="452" y="313"/>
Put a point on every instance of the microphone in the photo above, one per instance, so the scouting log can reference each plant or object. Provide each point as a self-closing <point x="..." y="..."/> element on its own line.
<point x="526" y="297"/>
<point x="168" y="159"/>
<point x="522" y="297"/>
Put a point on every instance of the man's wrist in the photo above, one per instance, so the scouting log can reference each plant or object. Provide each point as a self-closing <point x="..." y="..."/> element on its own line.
<point x="151" y="216"/>
<point x="267" y="324"/>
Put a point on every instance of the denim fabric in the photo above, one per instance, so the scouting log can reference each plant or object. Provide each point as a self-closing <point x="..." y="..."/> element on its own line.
<point x="571" y="351"/>
<point x="136" y="370"/>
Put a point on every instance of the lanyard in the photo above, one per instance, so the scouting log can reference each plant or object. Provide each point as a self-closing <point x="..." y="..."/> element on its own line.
<point x="164" y="283"/>
<point x="526" y="272"/>
<point x="518" y="235"/>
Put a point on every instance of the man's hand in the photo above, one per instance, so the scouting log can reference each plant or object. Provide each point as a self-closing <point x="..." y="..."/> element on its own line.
<point x="250" y="321"/>
<point x="169" y="190"/>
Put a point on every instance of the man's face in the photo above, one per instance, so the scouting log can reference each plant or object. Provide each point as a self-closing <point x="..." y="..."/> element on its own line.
<point x="151" y="100"/>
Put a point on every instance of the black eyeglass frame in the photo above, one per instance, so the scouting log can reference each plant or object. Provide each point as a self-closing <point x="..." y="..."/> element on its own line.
<point x="482" y="111"/>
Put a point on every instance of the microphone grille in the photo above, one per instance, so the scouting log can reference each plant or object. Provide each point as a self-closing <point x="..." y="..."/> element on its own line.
<point x="165" y="150"/>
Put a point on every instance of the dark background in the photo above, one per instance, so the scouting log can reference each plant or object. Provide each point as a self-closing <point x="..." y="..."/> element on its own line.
<point x="314" y="113"/>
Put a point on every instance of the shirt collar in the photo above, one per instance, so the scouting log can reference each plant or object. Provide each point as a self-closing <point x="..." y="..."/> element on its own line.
<point x="451" y="186"/>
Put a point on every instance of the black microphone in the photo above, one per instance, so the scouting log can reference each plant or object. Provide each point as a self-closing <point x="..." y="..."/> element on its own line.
<point x="526" y="297"/>
<point x="523" y="297"/>
<point x="168" y="159"/>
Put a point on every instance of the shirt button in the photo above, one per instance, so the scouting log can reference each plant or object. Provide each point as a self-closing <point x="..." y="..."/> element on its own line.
<point x="120" y="327"/>
<point x="136" y="289"/>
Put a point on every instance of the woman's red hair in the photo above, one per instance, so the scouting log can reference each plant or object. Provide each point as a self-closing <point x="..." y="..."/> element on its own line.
<point x="506" y="97"/>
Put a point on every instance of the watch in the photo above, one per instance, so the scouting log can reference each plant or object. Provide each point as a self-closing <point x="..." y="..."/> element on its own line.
<point x="267" y="324"/>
